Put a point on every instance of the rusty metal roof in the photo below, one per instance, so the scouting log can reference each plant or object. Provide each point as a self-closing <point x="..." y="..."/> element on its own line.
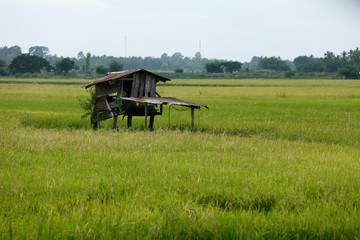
<point x="164" y="100"/>
<point x="123" y="74"/>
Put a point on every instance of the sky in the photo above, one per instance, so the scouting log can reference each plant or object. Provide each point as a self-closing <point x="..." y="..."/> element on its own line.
<point x="226" y="29"/>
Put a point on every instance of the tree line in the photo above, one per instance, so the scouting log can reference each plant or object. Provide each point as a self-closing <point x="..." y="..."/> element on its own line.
<point x="38" y="58"/>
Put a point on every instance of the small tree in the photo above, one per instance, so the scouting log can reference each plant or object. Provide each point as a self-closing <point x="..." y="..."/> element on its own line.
<point x="87" y="62"/>
<point x="214" y="67"/>
<point x="65" y="65"/>
<point x="101" y="69"/>
<point x="3" y="68"/>
<point x="289" y="74"/>
<point x="115" y="66"/>
<point x="27" y="63"/>
<point x="350" y="72"/>
<point x="231" y="66"/>
<point x="179" y="70"/>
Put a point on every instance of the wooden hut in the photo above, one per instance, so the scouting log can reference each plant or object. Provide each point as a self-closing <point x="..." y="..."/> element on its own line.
<point x="132" y="93"/>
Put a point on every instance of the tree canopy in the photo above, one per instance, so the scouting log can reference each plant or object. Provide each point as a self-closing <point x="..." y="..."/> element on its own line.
<point x="40" y="51"/>
<point x="273" y="63"/>
<point x="27" y="63"/>
<point x="115" y="66"/>
<point x="65" y="65"/>
<point x="221" y="67"/>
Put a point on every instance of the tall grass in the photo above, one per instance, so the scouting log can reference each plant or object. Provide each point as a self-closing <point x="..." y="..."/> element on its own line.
<point x="262" y="164"/>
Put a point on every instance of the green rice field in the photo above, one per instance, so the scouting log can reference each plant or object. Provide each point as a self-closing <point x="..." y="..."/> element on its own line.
<point x="270" y="159"/>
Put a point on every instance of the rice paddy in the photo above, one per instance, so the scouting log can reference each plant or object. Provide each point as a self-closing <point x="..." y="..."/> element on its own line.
<point x="270" y="159"/>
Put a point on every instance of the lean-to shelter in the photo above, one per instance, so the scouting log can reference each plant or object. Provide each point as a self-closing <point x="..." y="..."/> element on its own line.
<point x="132" y="93"/>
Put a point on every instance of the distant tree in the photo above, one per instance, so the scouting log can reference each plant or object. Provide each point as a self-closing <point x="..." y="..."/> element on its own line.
<point x="314" y="66"/>
<point x="80" y="55"/>
<point x="254" y="63"/>
<point x="332" y="62"/>
<point x="87" y="63"/>
<point x="65" y="65"/>
<point x="273" y="63"/>
<point x="101" y="69"/>
<point x="115" y="66"/>
<point x="354" y="57"/>
<point x="214" y="67"/>
<point x="350" y="72"/>
<point x="11" y="51"/>
<point x="27" y="63"/>
<point x="303" y="60"/>
<point x="198" y="56"/>
<point x="230" y="66"/>
<point x="289" y="74"/>
<point x="40" y="51"/>
<point x="3" y="68"/>
<point x="179" y="70"/>
<point x="164" y="56"/>
<point x="177" y="56"/>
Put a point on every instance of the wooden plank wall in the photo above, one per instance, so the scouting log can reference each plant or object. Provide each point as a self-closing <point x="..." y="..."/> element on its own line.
<point x="143" y="85"/>
<point x="106" y="89"/>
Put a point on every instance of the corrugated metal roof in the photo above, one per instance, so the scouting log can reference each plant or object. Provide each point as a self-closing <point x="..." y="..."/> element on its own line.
<point x="164" y="100"/>
<point x="122" y="74"/>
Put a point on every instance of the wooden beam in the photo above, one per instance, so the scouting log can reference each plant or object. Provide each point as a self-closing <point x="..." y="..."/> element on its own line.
<point x="145" y="116"/>
<point x="129" y="121"/>
<point x="192" y="119"/>
<point x="114" y="122"/>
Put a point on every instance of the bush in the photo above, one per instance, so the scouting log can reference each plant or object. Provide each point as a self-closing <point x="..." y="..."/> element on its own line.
<point x="179" y="70"/>
<point x="101" y="69"/>
<point x="290" y="74"/>
<point x="350" y="72"/>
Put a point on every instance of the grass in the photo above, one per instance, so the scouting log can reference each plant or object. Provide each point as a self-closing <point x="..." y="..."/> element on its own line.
<point x="268" y="161"/>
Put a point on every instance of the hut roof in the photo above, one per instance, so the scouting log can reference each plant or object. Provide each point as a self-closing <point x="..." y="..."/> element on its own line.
<point x="123" y="74"/>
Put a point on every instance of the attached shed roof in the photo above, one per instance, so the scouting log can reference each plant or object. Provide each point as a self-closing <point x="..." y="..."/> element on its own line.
<point x="123" y="74"/>
<point x="164" y="100"/>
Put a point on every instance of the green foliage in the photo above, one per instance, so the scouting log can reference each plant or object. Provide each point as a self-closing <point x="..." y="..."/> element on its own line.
<point x="87" y="63"/>
<point x="3" y="68"/>
<point x="350" y="72"/>
<point x="273" y="63"/>
<point x="40" y="51"/>
<point x="65" y="65"/>
<point x="231" y="66"/>
<point x="221" y="67"/>
<point x="88" y="105"/>
<point x="179" y="70"/>
<point x="115" y="66"/>
<point x="214" y="67"/>
<point x="27" y="63"/>
<point x="290" y="74"/>
<point x="101" y="69"/>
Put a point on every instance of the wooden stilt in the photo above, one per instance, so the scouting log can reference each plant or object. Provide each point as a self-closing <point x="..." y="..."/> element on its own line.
<point x="145" y="116"/>
<point x="129" y="121"/>
<point x="114" y="122"/>
<point x="152" y="122"/>
<point x="192" y="119"/>
<point x="95" y="126"/>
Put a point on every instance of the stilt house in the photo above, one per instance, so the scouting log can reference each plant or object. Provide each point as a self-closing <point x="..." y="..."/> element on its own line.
<point x="132" y="93"/>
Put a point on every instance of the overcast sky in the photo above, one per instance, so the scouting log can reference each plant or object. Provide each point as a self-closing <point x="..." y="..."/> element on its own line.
<point x="227" y="29"/>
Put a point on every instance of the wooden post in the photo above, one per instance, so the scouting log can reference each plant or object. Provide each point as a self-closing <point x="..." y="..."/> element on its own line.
<point x="114" y="122"/>
<point x="152" y="122"/>
<point x="145" y="116"/>
<point x="129" y="121"/>
<point x="95" y="126"/>
<point x="192" y="119"/>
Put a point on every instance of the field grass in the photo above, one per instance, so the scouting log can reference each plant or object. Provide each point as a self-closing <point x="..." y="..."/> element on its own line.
<point x="271" y="159"/>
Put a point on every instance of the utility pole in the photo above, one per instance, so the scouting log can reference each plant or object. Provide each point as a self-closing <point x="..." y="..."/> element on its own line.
<point x="200" y="46"/>
<point x="125" y="46"/>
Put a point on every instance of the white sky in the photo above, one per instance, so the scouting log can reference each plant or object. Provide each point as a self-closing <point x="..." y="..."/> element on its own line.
<point x="228" y="29"/>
